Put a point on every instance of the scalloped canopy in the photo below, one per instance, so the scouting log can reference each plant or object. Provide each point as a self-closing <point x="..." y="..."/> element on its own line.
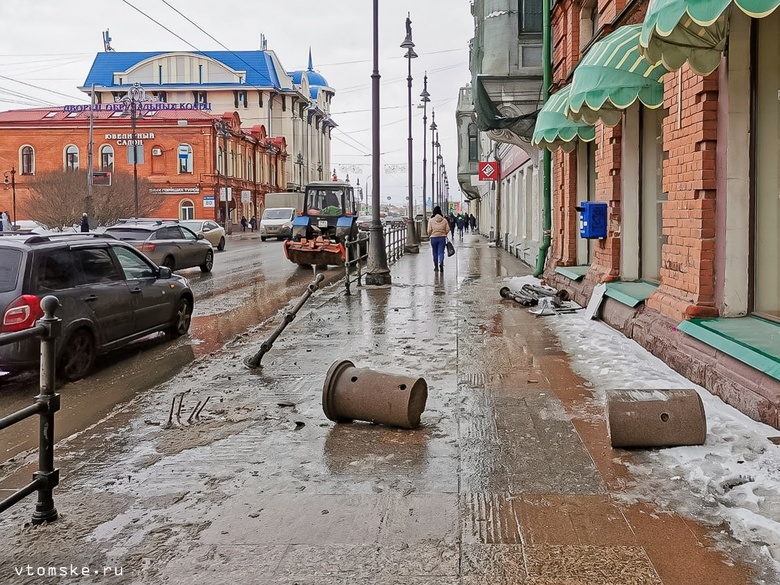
<point x="676" y="31"/>
<point x="612" y="76"/>
<point x="554" y="130"/>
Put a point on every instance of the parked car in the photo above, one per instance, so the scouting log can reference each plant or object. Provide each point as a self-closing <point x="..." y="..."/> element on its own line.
<point x="395" y="220"/>
<point x="166" y="243"/>
<point x="209" y="229"/>
<point x="364" y="222"/>
<point x="110" y="295"/>
<point x="29" y="226"/>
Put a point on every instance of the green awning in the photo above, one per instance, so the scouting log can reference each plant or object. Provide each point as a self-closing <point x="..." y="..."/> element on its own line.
<point x="554" y="130"/>
<point x="675" y="31"/>
<point x="612" y="76"/>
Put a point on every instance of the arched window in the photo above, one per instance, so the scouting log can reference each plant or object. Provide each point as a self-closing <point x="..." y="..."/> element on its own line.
<point x="71" y="158"/>
<point x="220" y="161"/>
<point x="185" y="158"/>
<point x="106" y="158"/>
<point x="186" y="210"/>
<point x="250" y="173"/>
<point x="473" y="143"/>
<point x="28" y="160"/>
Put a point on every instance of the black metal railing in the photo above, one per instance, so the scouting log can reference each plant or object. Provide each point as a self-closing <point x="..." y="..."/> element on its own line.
<point x="46" y="404"/>
<point x="357" y="254"/>
<point x="395" y="241"/>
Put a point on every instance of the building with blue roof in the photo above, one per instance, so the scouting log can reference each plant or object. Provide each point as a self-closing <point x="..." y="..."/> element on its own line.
<point x="254" y="84"/>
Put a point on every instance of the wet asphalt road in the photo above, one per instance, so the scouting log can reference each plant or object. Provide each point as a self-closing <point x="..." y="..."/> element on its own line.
<point x="251" y="281"/>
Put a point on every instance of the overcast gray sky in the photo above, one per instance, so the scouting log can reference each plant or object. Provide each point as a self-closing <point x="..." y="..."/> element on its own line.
<point x="47" y="47"/>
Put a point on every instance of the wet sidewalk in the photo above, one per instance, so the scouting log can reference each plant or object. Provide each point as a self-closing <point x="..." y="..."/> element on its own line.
<point x="510" y="479"/>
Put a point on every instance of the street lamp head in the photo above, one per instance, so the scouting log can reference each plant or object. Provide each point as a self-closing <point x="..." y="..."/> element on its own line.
<point x="407" y="44"/>
<point x="410" y="54"/>
<point x="433" y="126"/>
<point x="426" y="97"/>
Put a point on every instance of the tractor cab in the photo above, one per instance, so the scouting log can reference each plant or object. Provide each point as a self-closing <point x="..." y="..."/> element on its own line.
<point x="328" y="219"/>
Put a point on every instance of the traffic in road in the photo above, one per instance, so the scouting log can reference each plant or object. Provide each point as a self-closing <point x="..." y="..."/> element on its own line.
<point x="250" y="282"/>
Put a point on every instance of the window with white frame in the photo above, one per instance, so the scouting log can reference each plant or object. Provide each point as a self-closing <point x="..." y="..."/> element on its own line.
<point x="185" y="158"/>
<point x="106" y="157"/>
<point x="28" y="160"/>
<point x="186" y="210"/>
<point x="71" y="158"/>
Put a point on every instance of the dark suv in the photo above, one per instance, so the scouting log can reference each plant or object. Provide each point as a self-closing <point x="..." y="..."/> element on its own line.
<point x="110" y="294"/>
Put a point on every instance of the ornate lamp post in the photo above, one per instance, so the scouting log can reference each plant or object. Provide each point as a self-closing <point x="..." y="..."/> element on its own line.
<point x="433" y="158"/>
<point x="223" y="131"/>
<point x="412" y="242"/>
<point x="134" y="95"/>
<point x="426" y="97"/>
<point x="12" y="172"/>
<point x="377" y="272"/>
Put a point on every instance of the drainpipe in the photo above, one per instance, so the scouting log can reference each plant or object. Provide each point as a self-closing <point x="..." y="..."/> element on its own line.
<point x="547" y="160"/>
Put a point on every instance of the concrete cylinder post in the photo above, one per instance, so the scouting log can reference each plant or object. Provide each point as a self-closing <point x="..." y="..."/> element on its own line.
<point x="655" y="418"/>
<point x="351" y="393"/>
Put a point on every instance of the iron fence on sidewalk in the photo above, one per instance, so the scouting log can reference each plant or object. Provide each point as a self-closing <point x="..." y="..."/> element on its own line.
<point x="395" y="241"/>
<point x="357" y="253"/>
<point x="46" y="404"/>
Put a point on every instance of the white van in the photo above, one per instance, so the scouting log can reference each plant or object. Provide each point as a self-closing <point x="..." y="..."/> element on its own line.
<point x="277" y="223"/>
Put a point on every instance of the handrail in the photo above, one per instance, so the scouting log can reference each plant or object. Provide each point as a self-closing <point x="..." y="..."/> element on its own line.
<point x="47" y="403"/>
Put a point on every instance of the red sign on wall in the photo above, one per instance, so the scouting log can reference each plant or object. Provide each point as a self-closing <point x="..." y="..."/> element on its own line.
<point x="488" y="171"/>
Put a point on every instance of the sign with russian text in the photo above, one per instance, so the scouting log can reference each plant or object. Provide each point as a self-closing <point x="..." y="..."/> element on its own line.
<point x="208" y="201"/>
<point x="488" y="171"/>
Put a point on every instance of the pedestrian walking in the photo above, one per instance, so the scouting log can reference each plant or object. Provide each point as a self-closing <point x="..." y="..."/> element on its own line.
<point x="473" y="222"/>
<point x="452" y="222"/>
<point x="244" y="223"/>
<point x="5" y="223"/>
<point x="84" y="222"/>
<point x="438" y="227"/>
<point x="461" y="223"/>
<point x="253" y="223"/>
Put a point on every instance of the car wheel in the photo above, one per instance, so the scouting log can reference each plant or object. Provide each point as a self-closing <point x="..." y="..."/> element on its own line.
<point x="209" y="263"/>
<point x="169" y="262"/>
<point x="263" y="238"/>
<point x="221" y="245"/>
<point x="182" y="318"/>
<point x="78" y="356"/>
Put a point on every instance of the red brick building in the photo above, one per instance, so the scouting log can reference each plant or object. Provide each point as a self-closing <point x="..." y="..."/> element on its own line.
<point x="181" y="152"/>
<point x="685" y="159"/>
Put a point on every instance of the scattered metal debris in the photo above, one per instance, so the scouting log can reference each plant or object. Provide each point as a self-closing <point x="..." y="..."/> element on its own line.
<point x="548" y="300"/>
<point x="195" y="414"/>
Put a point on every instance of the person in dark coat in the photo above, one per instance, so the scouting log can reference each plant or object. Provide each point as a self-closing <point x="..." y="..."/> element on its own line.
<point x="473" y="222"/>
<point x="84" y="222"/>
<point x="452" y="222"/>
<point x="461" y="223"/>
<point x="244" y="223"/>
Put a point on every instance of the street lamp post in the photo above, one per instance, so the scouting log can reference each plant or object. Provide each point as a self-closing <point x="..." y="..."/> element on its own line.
<point x="223" y="131"/>
<point x="12" y="172"/>
<point x="426" y="97"/>
<point x="134" y="95"/>
<point x="412" y="242"/>
<point x="433" y="158"/>
<point x="377" y="272"/>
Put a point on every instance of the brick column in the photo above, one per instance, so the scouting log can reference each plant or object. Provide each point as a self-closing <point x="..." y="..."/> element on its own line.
<point x="606" y="259"/>
<point x="565" y="217"/>
<point x="690" y="137"/>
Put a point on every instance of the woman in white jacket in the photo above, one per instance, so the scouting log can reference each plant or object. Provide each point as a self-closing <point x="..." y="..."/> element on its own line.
<point x="438" y="228"/>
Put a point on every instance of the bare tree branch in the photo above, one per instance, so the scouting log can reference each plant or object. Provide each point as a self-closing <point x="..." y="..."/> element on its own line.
<point x="59" y="198"/>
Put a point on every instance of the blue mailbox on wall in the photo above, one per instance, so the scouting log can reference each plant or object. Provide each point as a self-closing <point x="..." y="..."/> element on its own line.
<point x="593" y="219"/>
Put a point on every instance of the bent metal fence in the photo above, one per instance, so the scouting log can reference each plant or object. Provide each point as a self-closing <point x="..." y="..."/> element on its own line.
<point x="357" y="252"/>
<point x="46" y="404"/>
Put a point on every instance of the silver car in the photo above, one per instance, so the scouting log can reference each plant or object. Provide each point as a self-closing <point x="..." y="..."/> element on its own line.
<point x="166" y="243"/>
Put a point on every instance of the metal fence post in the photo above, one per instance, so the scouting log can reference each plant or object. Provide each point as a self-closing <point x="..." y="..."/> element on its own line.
<point x="47" y="477"/>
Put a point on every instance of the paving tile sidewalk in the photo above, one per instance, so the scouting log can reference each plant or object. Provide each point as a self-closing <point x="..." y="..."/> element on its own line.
<point x="509" y="479"/>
